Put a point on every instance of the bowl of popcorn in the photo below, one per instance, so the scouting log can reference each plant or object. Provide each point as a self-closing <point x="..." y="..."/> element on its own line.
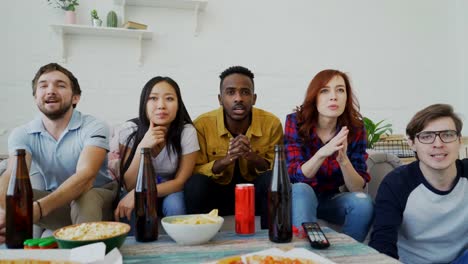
<point x="192" y="229"/>
<point x="113" y="234"/>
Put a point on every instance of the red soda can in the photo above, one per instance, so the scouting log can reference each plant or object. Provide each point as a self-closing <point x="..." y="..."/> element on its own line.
<point x="245" y="209"/>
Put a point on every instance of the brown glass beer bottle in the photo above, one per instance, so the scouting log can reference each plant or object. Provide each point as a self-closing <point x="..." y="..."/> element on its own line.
<point x="279" y="200"/>
<point x="146" y="200"/>
<point x="19" y="204"/>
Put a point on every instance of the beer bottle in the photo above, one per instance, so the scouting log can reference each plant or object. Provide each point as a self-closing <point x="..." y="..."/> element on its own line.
<point x="146" y="195"/>
<point x="19" y="204"/>
<point x="279" y="200"/>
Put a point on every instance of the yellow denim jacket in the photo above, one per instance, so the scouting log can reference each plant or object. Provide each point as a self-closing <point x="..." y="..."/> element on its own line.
<point x="264" y="133"/>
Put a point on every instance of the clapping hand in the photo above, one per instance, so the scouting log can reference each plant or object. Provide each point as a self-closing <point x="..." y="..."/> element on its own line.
<point x="342" y="157"/>
<point x="240" y="147"/>
<point x="337" y="143"/>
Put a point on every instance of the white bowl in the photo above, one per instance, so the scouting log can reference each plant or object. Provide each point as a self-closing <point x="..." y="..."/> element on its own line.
<point x="190" y="234"/>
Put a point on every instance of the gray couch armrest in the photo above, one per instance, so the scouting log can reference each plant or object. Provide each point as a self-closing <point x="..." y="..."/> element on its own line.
<point x="379" y="164"/>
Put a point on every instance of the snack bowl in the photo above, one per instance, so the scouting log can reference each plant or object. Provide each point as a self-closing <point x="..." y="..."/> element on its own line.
<point x="112" y="234"/>
<point x="184" y="230"/>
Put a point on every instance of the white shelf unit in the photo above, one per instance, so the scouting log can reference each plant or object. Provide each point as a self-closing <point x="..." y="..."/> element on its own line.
<point x="63" y="30"/>
<point x="196" y="5"/>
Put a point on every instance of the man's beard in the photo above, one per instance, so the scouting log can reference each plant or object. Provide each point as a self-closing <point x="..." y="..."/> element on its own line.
<point x="57" y="114"/>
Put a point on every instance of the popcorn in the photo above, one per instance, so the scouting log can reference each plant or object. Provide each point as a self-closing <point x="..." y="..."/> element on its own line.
<point x="90" y="231"/>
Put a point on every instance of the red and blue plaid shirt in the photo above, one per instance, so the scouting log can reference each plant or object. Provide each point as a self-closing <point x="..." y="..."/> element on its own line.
<point x="329" y="176"/>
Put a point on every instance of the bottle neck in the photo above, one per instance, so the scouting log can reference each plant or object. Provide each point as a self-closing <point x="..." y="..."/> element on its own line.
<point x="21" y="169"/>
<point x="146" y="178"/>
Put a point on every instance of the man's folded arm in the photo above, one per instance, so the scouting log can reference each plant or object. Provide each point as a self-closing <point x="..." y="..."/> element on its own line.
<point x="89" y="163"/>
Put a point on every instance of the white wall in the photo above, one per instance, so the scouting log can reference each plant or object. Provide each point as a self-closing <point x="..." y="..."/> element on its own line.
<point x="401" y="55"/>
<point x="462" y="55"/>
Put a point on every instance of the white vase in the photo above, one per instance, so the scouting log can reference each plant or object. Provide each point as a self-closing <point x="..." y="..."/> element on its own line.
<point x="97" y="22"/>
<point x="70" y="17"/>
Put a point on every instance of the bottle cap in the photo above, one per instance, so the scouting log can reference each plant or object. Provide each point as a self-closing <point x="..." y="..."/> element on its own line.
<point x="279" y="147"/>
<point x="20" y="152"/>
<point x="145" y="150"/>
<point x="45" y="242"/>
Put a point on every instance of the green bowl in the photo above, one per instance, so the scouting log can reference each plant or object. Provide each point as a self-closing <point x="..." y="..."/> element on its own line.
<point x="114" y="241"/>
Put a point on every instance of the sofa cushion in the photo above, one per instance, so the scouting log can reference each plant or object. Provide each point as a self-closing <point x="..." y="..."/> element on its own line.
<point x="379" y="164"/>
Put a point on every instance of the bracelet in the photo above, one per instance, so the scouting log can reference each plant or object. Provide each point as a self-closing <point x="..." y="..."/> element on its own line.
<point x="40" y="208"/>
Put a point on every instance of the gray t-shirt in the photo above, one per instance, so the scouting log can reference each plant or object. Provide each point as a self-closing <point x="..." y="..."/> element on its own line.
<point x="164" y="164"/>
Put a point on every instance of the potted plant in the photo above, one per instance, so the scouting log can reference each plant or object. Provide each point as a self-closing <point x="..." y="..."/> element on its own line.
<point x="96" y="21"/>
<point x="112" y="19"/>
<point x="69" y="6"/>
<point x="375" y="131"/>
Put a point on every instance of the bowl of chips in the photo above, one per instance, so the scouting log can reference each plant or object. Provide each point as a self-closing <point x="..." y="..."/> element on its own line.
<point x="113" y="234"/>
<point x="192" y="229"/>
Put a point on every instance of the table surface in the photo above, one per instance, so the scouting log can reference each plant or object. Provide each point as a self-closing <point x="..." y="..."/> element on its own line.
<point x="343" y="249"/>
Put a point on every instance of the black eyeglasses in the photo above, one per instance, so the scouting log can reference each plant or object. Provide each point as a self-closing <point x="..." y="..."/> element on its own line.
<point x="428" y="137"/>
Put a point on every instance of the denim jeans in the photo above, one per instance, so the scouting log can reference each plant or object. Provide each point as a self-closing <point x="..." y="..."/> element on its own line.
<point x="172" y="204"/>
<point x="462" y="259"/>
<point x="202" y="194"/>
<point x="352" y="210"/>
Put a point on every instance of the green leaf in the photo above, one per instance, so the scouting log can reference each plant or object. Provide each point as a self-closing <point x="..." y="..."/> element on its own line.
<point x="375" y="130"/>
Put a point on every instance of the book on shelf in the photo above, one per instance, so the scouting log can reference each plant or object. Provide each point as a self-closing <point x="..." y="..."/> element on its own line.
<point x="135" y="25"/>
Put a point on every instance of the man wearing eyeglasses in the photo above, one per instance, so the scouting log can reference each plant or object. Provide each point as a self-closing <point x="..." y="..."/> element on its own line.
<point x="421" y="209"/>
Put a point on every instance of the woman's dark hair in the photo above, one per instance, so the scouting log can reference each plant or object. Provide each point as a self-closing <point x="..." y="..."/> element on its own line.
<point x="174" y="132"/>
<point x="307" y="113"/>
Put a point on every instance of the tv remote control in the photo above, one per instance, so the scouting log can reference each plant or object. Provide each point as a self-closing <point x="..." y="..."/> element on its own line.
<point x="315" y="235"/>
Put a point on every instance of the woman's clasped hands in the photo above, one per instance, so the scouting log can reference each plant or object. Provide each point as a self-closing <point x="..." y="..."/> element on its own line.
<point x="339" y="143"/>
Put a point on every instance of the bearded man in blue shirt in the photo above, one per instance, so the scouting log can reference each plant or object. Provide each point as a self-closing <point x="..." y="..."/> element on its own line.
<point x="66" y="154"/>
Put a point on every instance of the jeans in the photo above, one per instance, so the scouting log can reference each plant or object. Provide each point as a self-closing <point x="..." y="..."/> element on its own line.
<point x="202" y="194"/>
<point x="462" y="259"/>
<point x="353" y="210"/>
<point x="172" y="204"/>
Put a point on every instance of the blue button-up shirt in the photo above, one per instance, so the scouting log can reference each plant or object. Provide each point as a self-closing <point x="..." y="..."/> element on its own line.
<point x="54" y="161"/>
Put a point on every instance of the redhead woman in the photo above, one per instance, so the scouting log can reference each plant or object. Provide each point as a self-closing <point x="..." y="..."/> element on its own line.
<point x="326" y="149"/>
<point x="163" y="125"/>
